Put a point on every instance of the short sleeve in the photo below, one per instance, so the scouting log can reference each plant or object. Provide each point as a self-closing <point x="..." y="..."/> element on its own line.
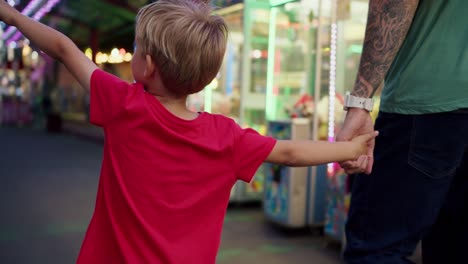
<point x="108" y="95"/>
<point x="250" y="151"/>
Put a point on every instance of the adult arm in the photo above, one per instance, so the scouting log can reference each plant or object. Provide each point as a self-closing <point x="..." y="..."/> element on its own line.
<point x="388" y="23"/>
<point x="52" y="42"/>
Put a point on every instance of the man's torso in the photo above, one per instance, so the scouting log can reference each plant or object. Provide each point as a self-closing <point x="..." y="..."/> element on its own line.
<point x="430" y="72"/>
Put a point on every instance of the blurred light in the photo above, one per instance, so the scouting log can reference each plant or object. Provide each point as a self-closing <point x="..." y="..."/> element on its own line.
<point x="89" y="53"/>
<point x="128" y="57"/>
<point x="26" y="50"/>
<point x="115" y="52"/>
<point x="330" y="170"/>
<point x="19" y="91"/>
<point x="5" y="81"/>
<point x="257" y="54"/>
<point x="115" y="56"/>
<point x="34" y="55"/>
<point x="10" y="54"/>
<point x="12" y="45"/>
<point x="45" y="9"/>
<point x="11" y="75"/>
<point x="101" y="58"/>
<point x="105" y="58"/>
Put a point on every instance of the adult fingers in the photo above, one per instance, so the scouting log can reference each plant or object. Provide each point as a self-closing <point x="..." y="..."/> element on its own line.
<point x="347" y="164"/>
<point x="370" y="157"/>
<point x="362" y="162"/>
<point x="357" y="166"/>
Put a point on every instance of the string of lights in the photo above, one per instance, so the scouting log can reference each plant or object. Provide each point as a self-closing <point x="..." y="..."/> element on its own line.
<point x="332" y="84"/>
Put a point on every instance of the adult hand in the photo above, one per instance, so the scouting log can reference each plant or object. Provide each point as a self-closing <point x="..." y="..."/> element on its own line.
<point x="358" y="122"/>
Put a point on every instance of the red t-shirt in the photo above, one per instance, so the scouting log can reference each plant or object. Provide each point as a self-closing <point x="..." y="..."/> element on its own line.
<point x="165" y="182"/>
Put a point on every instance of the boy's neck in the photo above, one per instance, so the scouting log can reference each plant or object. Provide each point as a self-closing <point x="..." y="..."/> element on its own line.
<point x="177" y="106"/>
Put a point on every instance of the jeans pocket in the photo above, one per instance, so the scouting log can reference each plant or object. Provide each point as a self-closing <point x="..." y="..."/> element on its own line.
<point x="436" y="149"/>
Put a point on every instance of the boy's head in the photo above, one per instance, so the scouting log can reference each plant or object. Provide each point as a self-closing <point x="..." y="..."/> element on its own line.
<point x="185" y="40"/>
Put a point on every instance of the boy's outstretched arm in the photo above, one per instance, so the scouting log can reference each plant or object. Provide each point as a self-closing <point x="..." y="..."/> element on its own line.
<point x="298" y="153"/>
<point x="52" y="42"/>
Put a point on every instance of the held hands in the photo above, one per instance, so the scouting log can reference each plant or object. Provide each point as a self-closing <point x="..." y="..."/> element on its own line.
<point x="358" y="122"/>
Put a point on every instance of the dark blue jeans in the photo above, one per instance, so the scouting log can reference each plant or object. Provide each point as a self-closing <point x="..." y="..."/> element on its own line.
<point x="418" y="190"/>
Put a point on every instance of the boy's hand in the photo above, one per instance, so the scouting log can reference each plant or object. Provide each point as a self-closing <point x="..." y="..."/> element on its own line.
<point x="362" y="144"/>
<point x="52" y="42"/>
<point x="6" y="12"/>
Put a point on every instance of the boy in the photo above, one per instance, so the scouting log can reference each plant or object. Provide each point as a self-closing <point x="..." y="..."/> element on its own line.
<point x="167" y="172"/>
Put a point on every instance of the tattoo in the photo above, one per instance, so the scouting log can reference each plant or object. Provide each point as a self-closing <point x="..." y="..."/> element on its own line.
<point x="388" y="23"/>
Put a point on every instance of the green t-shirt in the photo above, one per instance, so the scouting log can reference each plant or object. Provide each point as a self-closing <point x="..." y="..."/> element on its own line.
<point x="430" y="72"/>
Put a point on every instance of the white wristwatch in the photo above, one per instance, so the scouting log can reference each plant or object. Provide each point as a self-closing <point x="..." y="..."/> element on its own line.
<point x="358" y="102"/>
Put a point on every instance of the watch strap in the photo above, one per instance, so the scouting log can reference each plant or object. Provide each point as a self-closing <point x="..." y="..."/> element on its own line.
<point x="358" y="102"/>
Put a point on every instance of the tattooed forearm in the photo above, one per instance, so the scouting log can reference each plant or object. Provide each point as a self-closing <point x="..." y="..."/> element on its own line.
<point x="388" y="23"/>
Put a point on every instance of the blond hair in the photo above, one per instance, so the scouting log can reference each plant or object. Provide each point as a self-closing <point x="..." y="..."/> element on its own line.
<point x="186" y="41"/>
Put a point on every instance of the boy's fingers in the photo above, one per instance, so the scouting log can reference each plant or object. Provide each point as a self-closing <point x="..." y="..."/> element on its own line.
<point x="370" y="136"/>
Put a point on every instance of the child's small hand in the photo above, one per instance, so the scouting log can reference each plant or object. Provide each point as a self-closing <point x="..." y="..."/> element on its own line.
<point x="6" y="12"/>
<point x="362" y="142"/>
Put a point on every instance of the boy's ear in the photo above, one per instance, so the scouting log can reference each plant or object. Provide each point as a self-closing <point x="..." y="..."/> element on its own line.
<point x="150" y="67"/>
